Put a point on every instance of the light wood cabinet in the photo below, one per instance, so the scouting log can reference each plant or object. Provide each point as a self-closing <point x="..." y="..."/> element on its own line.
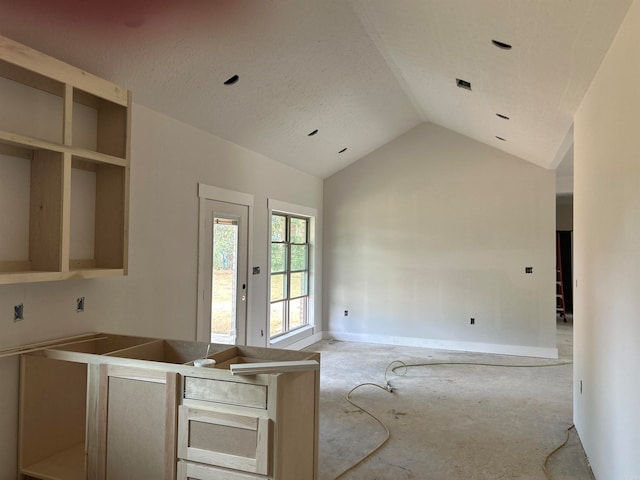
<point x="113" y="407"/>
<point x="229" y="440"/>
<point x="136" y="423"/>
<point x="64" y="169"/>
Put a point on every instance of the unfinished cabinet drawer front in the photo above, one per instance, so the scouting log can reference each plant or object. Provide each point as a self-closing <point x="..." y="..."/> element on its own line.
<point x="238" y="442"/>
<point x="195" y="471"/>
<point x="230" y="393"/>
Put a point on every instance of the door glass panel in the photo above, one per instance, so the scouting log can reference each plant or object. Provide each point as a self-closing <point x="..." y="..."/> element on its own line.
<point x="297" y="313"/>
<point x="223" y="282"/>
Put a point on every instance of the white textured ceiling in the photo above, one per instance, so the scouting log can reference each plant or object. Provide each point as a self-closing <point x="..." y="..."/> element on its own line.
<point x="362" y="72"/>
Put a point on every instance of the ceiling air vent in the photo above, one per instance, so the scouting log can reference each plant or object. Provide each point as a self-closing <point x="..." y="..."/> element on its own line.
<point x="312" y="133"/>
<point x="500" y="138"/>
<point x="343" y="150"/>
<point x="463" y="84"/>
<point x="504" y="117"/>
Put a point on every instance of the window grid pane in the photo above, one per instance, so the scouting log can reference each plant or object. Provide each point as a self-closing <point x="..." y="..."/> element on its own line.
<point x="278" y="257"/>
<point x="298" y="284"/>
<point x="276" y="319"/>
<point x="278" y="287"/>
<point x="289" y="283"/>
<point x="298" y="229"/>
<point x="298" y="313"/>
<point x="299" y="257"/>
<point x="278" y="228"/>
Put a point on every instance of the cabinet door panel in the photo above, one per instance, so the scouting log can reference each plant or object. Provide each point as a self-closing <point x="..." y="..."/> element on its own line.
<point x="137" y="410"/>
<point x="239" y="442"/>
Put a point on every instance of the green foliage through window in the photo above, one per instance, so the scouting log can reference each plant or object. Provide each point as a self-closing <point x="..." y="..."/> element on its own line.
<point x="225" y="245"/>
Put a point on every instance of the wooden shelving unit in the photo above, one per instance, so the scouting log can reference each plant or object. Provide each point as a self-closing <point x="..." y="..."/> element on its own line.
<point x="64" y="159"/>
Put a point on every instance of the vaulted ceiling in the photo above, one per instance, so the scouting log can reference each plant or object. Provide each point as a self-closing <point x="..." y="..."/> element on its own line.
<point x="360" y="72"/>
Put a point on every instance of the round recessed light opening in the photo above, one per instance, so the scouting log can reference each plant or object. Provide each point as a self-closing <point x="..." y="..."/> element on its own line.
<point x="502" y="116"/>
<point x="343" y="150"/>
<point x="232" y="81"/>
<point x="500" y="138"/>
<point x="502" y="45"/>
<point x="311" y="134"/>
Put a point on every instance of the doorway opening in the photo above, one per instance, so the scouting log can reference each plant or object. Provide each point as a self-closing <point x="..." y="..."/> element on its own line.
<point x="223" y="259"/>
<point x="564" y="274"/>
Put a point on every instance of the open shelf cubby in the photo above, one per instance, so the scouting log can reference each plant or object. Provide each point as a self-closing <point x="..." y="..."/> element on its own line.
<point x="30" y="209"/>
<point x="53" y="419"/>
<point x="64" y="170"/>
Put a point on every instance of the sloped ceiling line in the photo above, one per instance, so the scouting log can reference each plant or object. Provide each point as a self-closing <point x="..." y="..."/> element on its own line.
<point x="362" y="72"/>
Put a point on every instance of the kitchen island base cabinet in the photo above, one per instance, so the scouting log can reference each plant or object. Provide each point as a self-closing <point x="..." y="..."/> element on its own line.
<point x="115" y="407"/>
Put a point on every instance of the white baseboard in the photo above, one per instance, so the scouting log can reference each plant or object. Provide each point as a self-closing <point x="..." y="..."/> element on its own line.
<point x="517" y="350"/>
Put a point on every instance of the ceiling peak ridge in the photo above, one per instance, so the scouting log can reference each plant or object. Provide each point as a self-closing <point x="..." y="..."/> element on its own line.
<point x="377" y="39"/>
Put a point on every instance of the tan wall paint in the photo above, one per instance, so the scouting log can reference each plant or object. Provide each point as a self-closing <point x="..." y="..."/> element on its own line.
<point x="607" y="260"/>
<point x="435" y="228"/>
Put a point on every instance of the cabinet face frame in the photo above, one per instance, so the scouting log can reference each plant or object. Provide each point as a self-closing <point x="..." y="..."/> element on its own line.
<point x="133" y="374"/>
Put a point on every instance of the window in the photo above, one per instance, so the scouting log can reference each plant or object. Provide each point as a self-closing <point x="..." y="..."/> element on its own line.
<point x="289" y="273"/>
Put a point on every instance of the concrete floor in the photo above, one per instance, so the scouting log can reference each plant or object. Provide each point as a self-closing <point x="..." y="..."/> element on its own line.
<point x="448" y="422"/>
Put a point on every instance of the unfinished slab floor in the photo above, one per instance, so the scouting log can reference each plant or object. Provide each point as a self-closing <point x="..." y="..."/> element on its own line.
<point x="449" y="422"/>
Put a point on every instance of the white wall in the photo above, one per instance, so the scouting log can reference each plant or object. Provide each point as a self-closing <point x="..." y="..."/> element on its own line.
<point x="607" y="260"/>
<point x="170" y="159"/>
<point x="433" y="229"/>
<point x="158" y="298"/>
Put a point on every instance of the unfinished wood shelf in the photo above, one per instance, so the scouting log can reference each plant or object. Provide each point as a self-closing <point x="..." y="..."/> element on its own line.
<point x="68" y="464"/>
<point x="64" y="170"/>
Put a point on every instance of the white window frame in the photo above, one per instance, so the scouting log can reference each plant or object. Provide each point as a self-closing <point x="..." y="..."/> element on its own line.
<point x="277" y="206"/>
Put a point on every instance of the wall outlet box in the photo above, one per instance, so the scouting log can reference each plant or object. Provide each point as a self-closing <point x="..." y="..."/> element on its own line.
<point x="18" y="312"/>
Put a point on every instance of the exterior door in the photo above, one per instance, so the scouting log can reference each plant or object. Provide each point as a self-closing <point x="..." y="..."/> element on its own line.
<point x="224" y="290"/>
